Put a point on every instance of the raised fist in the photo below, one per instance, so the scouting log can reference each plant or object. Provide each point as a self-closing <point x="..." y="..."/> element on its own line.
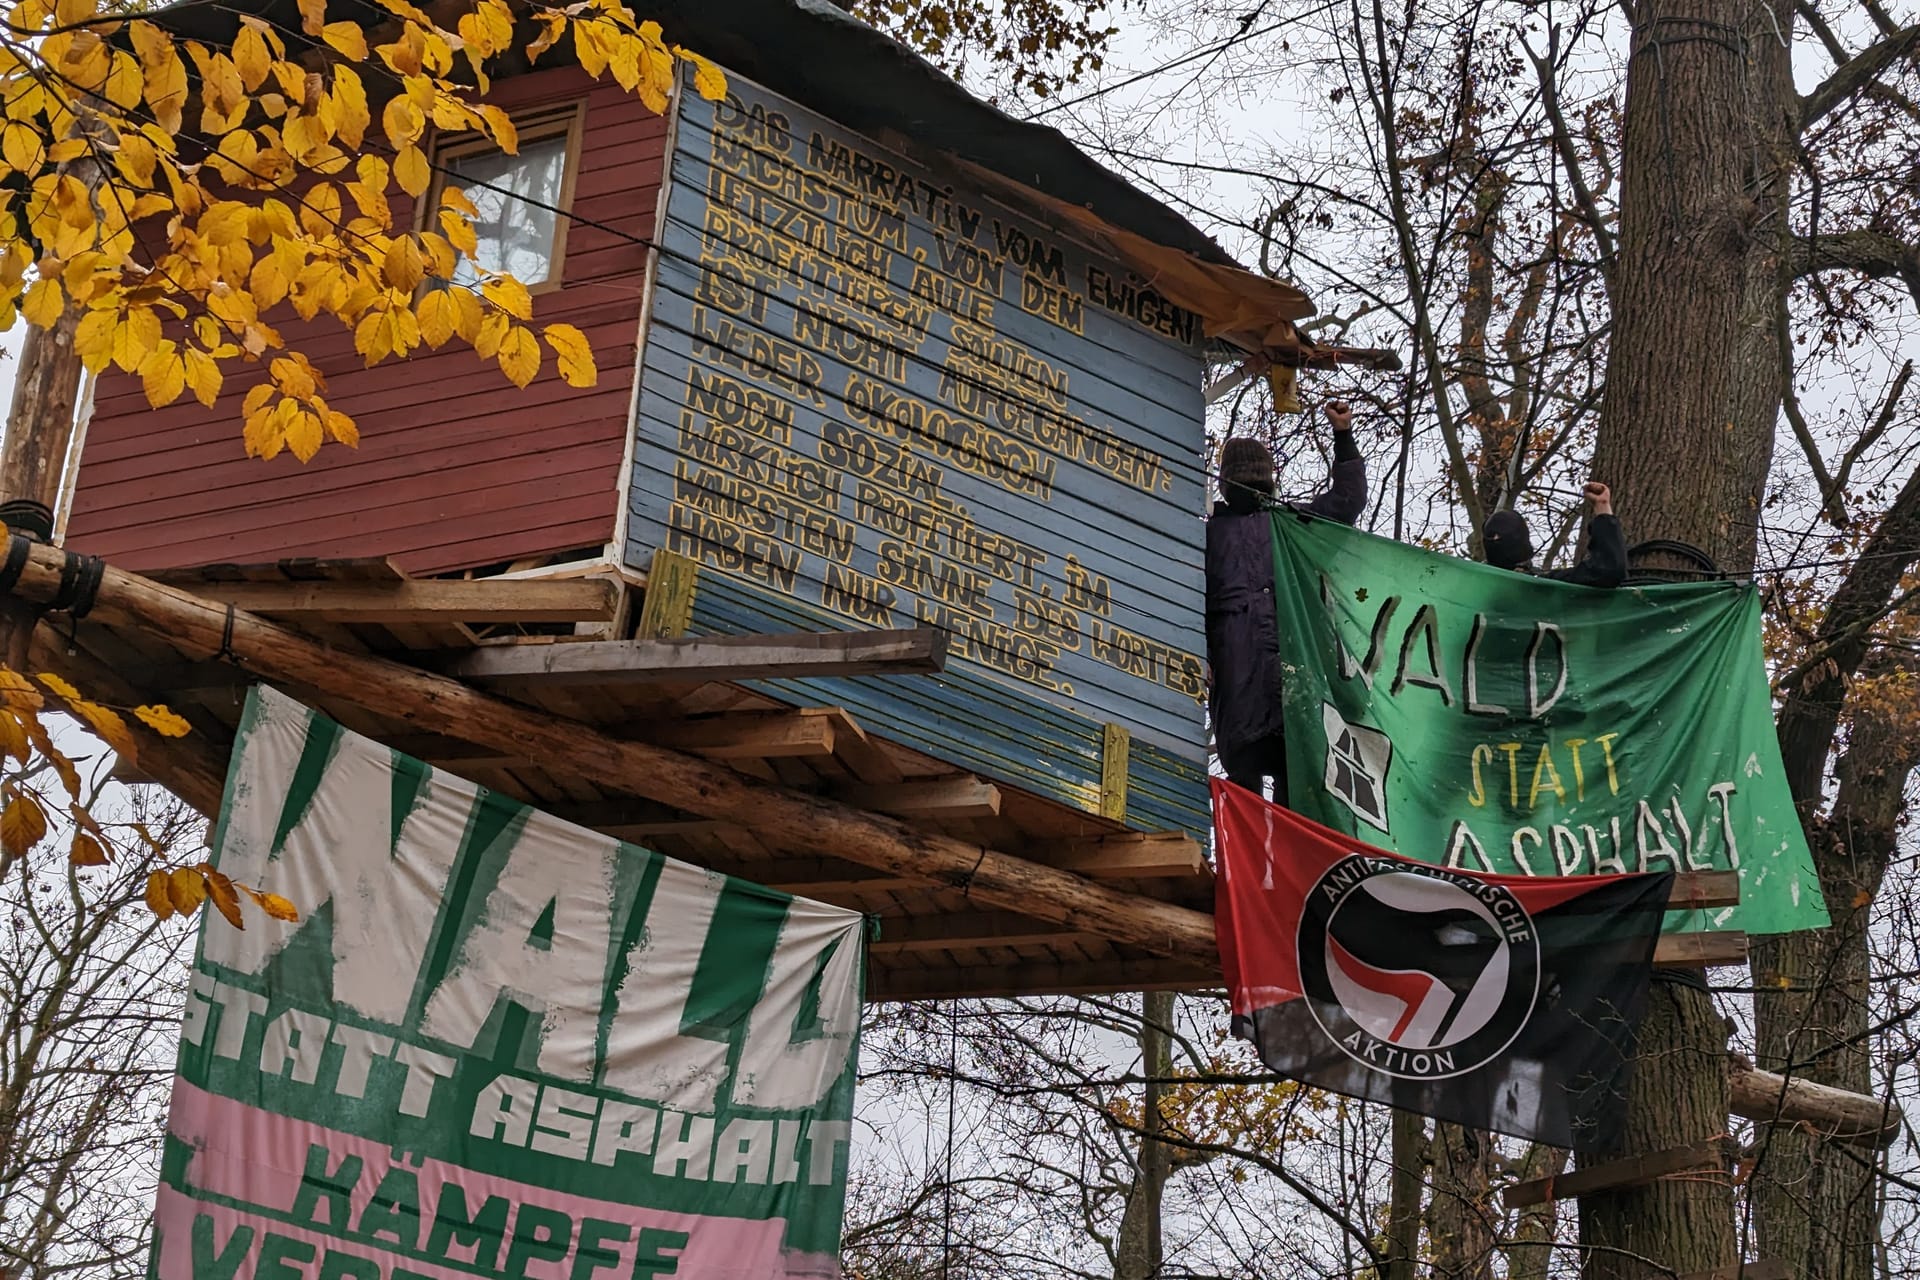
<point x="1339" y="415"/>
<point x="1600" y="496"/>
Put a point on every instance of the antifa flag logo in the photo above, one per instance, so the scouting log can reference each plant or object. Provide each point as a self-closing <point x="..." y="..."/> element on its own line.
<point x="1417" y="972"/>
<point x="1496" y="1002"/>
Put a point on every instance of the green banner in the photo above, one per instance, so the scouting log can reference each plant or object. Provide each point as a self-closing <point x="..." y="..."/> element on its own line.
<point x="1486" y="719"/>
<point x="495" y="1043"/>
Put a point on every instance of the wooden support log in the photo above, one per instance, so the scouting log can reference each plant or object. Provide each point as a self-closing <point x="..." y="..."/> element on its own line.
<point x="1618" y="1175"/>
<point x="778" y="816"/>
<point x="1836" y="1114"/>
<point x="422" y="599"/>
<point x="723" y="658"/>
<point x="1144" y="855"/>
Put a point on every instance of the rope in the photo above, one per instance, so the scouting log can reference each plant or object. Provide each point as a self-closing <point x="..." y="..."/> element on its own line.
<point x="19" y="548"/>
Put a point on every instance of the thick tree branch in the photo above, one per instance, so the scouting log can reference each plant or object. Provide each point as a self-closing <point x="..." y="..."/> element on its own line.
<point x="1874" y="254"/>
<point x="1811" y="713"/>
<point x="1596" y="222"/>
<point x="1858" y="73"/>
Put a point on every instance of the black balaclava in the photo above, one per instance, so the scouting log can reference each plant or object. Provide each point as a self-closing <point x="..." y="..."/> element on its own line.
<point x="1508" y="544"/>
<point x="1246" y="474"/>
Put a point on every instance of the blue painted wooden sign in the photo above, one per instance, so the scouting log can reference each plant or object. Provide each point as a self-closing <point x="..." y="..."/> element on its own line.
<point x="874" y="396"/>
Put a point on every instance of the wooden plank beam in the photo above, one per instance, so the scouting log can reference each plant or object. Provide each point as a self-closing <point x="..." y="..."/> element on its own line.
<point x="1698" y="950"/>
<point x="750" y="735"/>
<point x="1040" y="978"/>
<point x="1131" y="855"/>
<point x="1618" y="1175"/>
<point x="422" y="599"/>
<point x="963" y="797"/>
<point x="780" y="817"/>
<point x="1135" y="855"/>
<point x="1836" y="1114"/>
<point x="722" y="658"/>
<point x="1699" y="889"/>
<point x="904" y="935"/>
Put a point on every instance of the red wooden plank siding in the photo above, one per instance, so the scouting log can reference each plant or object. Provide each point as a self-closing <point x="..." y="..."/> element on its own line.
<point x="456" y="467"/>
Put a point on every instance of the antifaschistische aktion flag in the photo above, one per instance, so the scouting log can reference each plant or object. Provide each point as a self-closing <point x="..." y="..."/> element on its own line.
<point x="1506" y="1003"/>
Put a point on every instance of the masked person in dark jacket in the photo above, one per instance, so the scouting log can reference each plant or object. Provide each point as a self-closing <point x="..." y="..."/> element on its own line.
<point x="1243" y="638"/>
<point x="1510" y="546"/>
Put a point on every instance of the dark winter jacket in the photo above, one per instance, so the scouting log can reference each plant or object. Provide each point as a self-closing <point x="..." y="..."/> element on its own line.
<point x="1605" y="564"/>
<point x="1242" y="634"/>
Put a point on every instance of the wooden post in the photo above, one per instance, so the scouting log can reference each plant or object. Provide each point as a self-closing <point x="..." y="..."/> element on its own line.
<point x="33" y="457"/>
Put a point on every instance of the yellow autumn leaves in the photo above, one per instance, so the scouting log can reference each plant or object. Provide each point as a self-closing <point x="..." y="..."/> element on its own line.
<point x="169" y="252"/>
<point x="28" y="749"/>
<point x="182" y="891"/>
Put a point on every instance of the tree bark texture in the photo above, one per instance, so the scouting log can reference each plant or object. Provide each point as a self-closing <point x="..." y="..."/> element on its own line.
<point x="1461" y="1220"/>
<point x="1816" y="1202"/>
<point x="1140" y="1252"/>
<point x="1529" y="1249"/>
<point x="1694" y="384"/>
<point x="1405" y="1182"/>
<point x="1694" y="381"/>
<point x="1678" y="1095"/>
<point x="1815" y="1205"/>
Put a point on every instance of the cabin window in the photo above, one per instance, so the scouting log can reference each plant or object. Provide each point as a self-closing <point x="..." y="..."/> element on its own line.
<point x="522" y="198"/>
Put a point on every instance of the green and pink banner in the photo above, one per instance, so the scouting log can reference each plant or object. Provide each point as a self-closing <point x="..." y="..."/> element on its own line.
<point x="495" y="1043"/>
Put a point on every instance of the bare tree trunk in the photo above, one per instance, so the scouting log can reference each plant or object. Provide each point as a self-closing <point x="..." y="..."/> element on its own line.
<point x="1694" y="384"/>
<point x="1816" y="1205"/>
<point x="1530" y="1249"/>
<point x="1460" y="1218"/>
<point x="1139" y="1253"/>
<point x="1409" y="1148"/>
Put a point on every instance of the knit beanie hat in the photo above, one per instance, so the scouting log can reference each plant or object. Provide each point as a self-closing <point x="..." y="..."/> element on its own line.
<point x="1509" y="545"/>
<point x="1245" y="464"/>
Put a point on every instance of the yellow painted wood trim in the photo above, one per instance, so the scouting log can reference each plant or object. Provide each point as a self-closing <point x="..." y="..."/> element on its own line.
<point x="666" y="612"/>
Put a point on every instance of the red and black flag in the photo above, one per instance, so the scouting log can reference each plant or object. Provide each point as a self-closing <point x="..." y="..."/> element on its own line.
<point x="1506" y="1003"/>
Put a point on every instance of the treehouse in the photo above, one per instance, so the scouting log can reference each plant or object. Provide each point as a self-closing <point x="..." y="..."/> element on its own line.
<point x="880" y="532"/>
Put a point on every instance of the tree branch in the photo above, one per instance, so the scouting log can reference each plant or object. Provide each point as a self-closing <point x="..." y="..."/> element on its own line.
<point x="1873" y="254"/>
<point x="1859" y="72"/>
<point x="1881" y="422"/>
<point x="1811" y="713"/>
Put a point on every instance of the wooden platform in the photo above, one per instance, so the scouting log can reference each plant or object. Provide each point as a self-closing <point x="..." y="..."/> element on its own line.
<point x="934" y="940"/>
